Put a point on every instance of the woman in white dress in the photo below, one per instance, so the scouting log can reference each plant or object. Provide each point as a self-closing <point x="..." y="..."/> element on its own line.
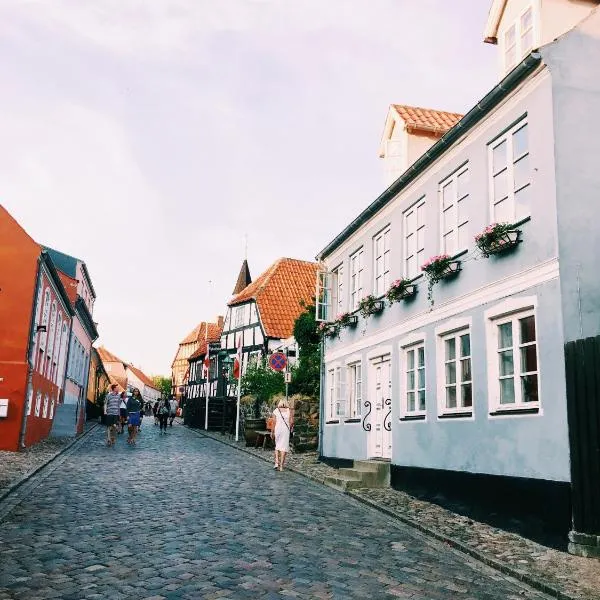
<point x="284" y="422"/>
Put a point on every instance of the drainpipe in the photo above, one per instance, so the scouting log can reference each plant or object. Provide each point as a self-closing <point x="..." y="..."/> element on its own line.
<point x="321" y="395"/>
<point x="28" y="357"/>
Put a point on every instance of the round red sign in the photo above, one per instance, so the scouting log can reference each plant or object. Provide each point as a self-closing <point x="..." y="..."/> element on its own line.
<point x="277" y="361"/>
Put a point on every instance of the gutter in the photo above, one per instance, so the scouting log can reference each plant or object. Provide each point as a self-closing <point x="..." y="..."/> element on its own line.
<point x="472" y="118"/>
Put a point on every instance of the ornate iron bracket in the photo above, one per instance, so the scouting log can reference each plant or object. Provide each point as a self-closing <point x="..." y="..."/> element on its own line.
<point x="367" y="426"/>
<point x="387" y="421"/>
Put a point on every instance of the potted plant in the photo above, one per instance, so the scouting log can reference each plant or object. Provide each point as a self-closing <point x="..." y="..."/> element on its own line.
<point x="400" y="290"/>
<point x="347" y="320"/>
<point x="331" y="329"/>
<point x="370" y="305"/>
<point x="438" y="268"/>
<point x="496" y="238"/>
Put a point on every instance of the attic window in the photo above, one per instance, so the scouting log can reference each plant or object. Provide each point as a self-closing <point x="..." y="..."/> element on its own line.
<point x="519" y="38"/>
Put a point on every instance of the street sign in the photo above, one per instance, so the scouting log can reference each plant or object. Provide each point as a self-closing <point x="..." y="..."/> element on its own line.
<point x="288" y="377"/>
<point x="277" y="361"/>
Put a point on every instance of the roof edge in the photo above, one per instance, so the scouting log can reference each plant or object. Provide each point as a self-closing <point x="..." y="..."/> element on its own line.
<point x="490" y="34"/>
<point x="47" y="259"/>
<point x="471" y="118"/>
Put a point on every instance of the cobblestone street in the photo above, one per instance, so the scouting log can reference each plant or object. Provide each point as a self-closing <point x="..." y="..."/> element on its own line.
<point x="183" y="516"/>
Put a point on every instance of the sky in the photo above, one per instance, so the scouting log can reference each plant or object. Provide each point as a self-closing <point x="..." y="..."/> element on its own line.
<point x="151" y="138"/>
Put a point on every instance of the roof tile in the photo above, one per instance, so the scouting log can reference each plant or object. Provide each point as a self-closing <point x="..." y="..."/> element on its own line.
<point x="427" y="119"/>
<point x="278" y="293"/>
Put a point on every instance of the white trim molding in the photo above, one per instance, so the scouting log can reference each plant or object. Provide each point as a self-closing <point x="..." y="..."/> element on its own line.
<point x="496" y="291"/>
<point x="379" y="352"/>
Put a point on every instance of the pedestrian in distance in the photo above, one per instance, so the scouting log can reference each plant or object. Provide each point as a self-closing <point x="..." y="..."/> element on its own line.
<point x="173" y="411"/>
<point x="155" y="412"/>
<point x="164" y="408"/>
<point x="284" y="422"/>
<point x="112" y="403"/>
<point x="142" y="415"/>
<point x="123" y="413"/>
<point x="134" y="406"/>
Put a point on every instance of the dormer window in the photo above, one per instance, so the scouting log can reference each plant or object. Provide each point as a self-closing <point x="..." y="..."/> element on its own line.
<point x="519" y="39"/>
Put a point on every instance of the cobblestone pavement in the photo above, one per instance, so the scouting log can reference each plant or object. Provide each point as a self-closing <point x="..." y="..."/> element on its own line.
<point x="183" y="516"/>
<point x="572" y="576"/>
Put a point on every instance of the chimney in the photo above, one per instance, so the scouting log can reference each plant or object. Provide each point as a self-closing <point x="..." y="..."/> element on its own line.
<point x="220" y="320"/>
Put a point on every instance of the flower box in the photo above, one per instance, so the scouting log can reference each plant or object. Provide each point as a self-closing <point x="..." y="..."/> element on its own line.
<point x="438" y="268"/>
<point x="497" y="238"/>
<point x="401" y="289"/>
<point x="369" y="305"/>
<point x="347" y="320"/>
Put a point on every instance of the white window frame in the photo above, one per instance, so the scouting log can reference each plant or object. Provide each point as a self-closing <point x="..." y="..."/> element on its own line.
<point x="458" y="197"/>
<point x="455" y="334"/>
<point x="355" y="390"/>
<point x="418" y="209"/>
<point x="51" y="415"/>
<point x="511" y="161"/>
<point x="412" y="347"/>
<point x="45" y="407"/>
<point x="29" y="401"/>
<point x="38" y="404"/>
<point x="338" y="301"/>
<point x="511" y="311"/>
<point x="519" y="49"/>
<point x="381" y="262"/>
<point x="356" y="278"/>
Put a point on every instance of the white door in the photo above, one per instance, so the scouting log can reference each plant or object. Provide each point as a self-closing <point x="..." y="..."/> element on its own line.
<point x="379" y="402"/>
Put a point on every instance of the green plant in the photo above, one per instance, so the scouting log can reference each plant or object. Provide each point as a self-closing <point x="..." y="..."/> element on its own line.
<point x="262" y="382"/>
<point x="370" y="305"/>
<point x="496" y="237"/>
<point x="307" y="371"/>
<point x="400" y="289"/>
<point x="346" y="320"/>
<point x="436" y="268"/>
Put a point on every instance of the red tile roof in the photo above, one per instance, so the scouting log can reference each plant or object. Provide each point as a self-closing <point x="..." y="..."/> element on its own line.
<point x="427" y="119"/>
<point x="70" y="285"/>
<point x="214" y="335"/>
<point x="142" y="377"/>
<point x="106" y="356"/>
<point x="192" y="336"/>
<point x="278" y="292"/>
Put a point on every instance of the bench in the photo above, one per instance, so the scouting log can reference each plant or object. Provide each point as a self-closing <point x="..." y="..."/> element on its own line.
<point x="262" y="435"/>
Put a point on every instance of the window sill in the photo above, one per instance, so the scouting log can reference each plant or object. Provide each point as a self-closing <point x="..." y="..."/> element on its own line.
<point x="413" y="418"/>
<point x="352" y="420"/>
<point x="332" y="422"/>
<point x="515" y="411"/>
<point x="456" y="415"/>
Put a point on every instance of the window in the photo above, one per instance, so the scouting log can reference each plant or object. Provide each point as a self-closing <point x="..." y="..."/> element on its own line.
<point x="51" y="337"/>
<point x="414" y="239"/>
<point x="45" y="316"/>
<point x="510" y="185"/>
<point x="338" y="291"/>
<point x="519" y="39"/>
<point x="254" y="357"/>
<point x="414" y="369"/>
<point x="457" y="393"/>
<point x="335" y="393"/>
<point x="356" y="283"/>
<point x="29" y="401"/>
<point x="239" y="316"/>
<point x="45" y="408"/>
<point x="51" y="415"/>
<point x="381" y="267"/>
<point x="516" y="362"/>
<point x="454" y="205"/>
<point x="38" y="404"/>
<point x="355" y="390"/>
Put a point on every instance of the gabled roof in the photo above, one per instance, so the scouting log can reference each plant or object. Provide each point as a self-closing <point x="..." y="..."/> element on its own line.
<point x="68" y="264"/>
<point x="426" y="119"/>
<point x="192" y="336"/>
<point x="214" y="335"/>
<point x="106" y="356"/>
<point x="142" y="377"/>
<point x="243" y="279"/>
<point x="70" y="285"/>
<point x="278" y="293"/>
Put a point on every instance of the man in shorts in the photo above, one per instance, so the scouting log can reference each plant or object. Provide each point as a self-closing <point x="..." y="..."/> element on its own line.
<point x="112" y="404"/>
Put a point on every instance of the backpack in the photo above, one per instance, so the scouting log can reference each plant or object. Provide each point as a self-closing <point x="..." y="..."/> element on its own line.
<point x="164" y="409"/>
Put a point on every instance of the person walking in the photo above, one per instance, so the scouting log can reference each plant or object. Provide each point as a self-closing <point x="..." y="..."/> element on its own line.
<point x="123" y="412"/>
<point x="284" y="422"/>
<point x="173" y="411"/>
<point x="111" y="410"/>
<point x="134" y="406"/>
<point x="164" y="408"/>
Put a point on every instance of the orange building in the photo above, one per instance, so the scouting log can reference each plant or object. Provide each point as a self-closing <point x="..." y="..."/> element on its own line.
<point x="35" y="325"/>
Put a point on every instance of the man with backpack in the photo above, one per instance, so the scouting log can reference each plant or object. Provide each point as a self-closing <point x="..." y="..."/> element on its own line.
<point x="172" y="411"/>
<point x="164" y="408"/>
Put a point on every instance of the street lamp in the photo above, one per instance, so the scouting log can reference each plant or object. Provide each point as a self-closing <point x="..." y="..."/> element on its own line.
<point x="227" y="365"/>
